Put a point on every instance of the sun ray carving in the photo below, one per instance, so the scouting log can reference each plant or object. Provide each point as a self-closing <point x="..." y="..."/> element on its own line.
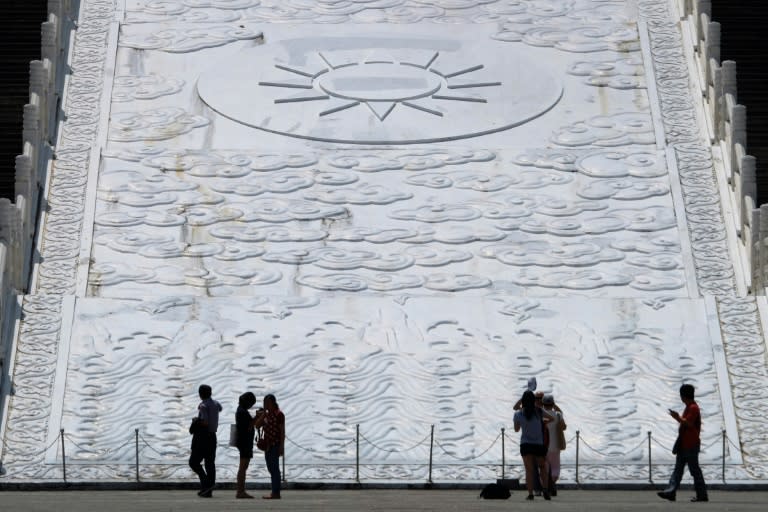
<point x="422" y="108"/>
<point x="473" y="85"/>
<point x="299" y="98"/>
<point x="339" y="108"/>
<point x="287" y="85"/>
<point x="380" y="83"/>
<point x="299" y="71"/>
<point x="460" y="98"/>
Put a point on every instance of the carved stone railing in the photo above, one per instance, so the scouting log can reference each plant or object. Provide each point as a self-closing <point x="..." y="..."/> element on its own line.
<point x="10" y="262"/>
<point x="41" y="116"/>
<point x="18" y="218"/>
<point x="727" y="123"/>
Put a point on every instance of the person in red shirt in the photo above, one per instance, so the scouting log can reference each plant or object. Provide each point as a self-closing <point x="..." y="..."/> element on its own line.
<point x="687" y="447"/>
<point x="272" y="419"/>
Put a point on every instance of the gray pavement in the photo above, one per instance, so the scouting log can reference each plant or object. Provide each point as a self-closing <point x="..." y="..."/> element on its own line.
<point x="370" y="500"/>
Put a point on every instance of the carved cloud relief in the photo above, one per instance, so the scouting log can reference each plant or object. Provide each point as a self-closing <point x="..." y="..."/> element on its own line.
<point x="388" y="352"/>
<point x="335" y="223"/>
<point x="589" y="213"/>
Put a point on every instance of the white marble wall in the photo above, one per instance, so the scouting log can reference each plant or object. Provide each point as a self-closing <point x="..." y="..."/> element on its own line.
<point x="394" y="367"/>
<point x="394" y="228"/>
<point x="569" y="191"/>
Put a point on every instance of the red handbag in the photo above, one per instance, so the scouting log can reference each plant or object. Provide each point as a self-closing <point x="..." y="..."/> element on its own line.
<point x="261" y="442"/>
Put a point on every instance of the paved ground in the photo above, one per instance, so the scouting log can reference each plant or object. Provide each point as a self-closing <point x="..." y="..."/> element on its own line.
<point x="370" y="500"/>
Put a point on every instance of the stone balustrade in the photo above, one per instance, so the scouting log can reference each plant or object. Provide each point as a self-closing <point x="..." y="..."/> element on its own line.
<point x="727" y="123"/>
<point x="18" y="218"/>
<point x="10" y="274"/>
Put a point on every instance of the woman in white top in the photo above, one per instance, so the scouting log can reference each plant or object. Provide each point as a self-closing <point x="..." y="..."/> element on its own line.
<point x="555" y="424"/>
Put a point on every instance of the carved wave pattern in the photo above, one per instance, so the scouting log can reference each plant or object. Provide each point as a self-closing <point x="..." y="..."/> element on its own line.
<point x="604" y="24"/>
<point x="183" y="40"/>
<point x="127" y="88"/>
<point x="744" y="344"/>
<point x="741" y="331"/>
<point x="66" y="200"/>
<point x="624" y="73"/>
<point x="221" y="222"/>
<point x="714" y="270"/>
<point x="29" y="411"/>
<point x="743" y="337"/>
<point x="579" y="27"/>
<point x="335" y="374"/>
<point x="478" y="472"/>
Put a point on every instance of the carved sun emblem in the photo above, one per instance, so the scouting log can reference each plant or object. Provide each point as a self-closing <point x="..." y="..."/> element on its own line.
<point x="374" y="88"/>
<point x="380" y="83"/>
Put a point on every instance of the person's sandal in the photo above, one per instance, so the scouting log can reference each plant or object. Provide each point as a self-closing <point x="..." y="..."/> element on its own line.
<point x="243" y="495"/>
<point x="530" y="497"/>
<point x="270" y="497"/>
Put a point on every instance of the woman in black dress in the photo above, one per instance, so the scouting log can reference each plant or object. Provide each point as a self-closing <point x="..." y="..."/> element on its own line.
<point x="245" y="436"/>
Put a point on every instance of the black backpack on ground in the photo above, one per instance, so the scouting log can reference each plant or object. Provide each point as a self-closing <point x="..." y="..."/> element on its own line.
<point x="495" y="492"/>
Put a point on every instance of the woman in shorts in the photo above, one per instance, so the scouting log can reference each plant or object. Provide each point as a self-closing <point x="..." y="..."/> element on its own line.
<point x="532" y="447"/>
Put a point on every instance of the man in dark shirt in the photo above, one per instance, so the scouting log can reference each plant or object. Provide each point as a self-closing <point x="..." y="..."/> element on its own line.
<point x="687" y="444"/>
<point x="204" y="441"/>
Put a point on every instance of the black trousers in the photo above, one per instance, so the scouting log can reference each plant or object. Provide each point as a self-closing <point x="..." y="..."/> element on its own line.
<point x="204" y="450"/>
<point x="691" y="458"/>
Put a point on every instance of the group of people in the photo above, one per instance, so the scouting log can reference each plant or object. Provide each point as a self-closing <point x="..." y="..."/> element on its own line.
<point x="539" y="420"/>
<point x="541" y="424"/>
<point x="542" y="438"/>
<point x="268" y="422"/>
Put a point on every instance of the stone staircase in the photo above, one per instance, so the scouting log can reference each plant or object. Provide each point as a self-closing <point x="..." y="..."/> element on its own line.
<point x="378" y="230"/>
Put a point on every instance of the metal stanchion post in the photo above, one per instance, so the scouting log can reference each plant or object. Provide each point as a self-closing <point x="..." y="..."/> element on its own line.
<point x="136" y="431"/>
<point x="650" y="465"/>
<point x="503" y="461"/>
<point x="357" y="453"/>
<point x="431" y="444"/>
<point x="724" y="447"/>
<point x="63" y="456"/>
<point x="577" y="456"/>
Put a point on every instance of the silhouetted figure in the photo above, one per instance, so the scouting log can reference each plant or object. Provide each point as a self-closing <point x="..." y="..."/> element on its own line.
<point x="556" y="426"/>
<point x="244" y="441"/>
<point x="204" y="441"/>
<point x="273" y="422"/>
<point x="687" y="447"/>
